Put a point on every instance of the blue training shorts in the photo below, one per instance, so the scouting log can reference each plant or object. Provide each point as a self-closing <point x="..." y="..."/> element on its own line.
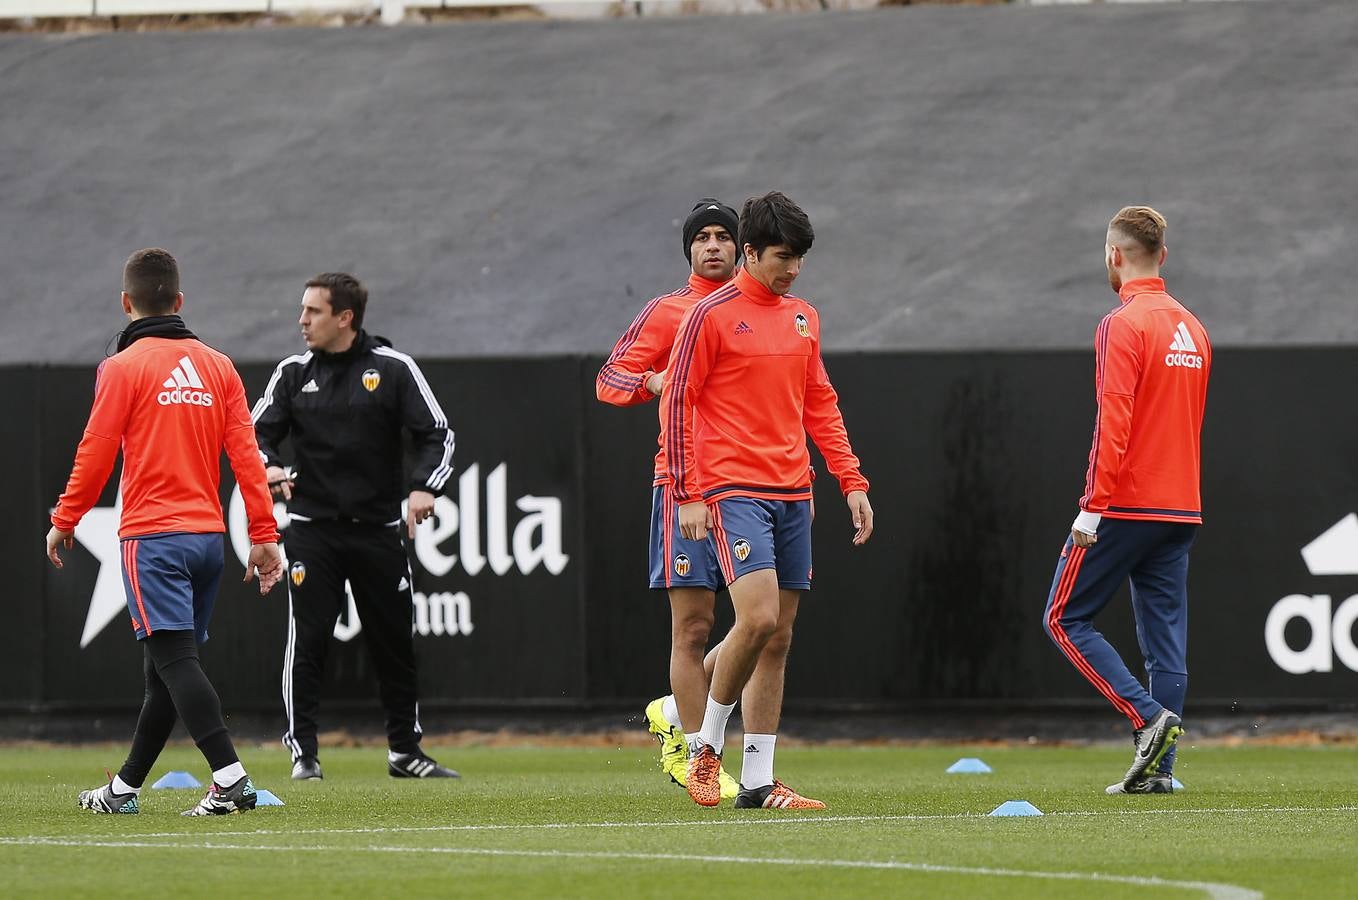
<point x="171" y="581"/>
<point x="752" y="534"/>
<point x="676" y="562"/>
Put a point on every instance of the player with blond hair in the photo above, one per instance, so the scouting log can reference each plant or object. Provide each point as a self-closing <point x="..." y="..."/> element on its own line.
<point x="1142" y="506"/>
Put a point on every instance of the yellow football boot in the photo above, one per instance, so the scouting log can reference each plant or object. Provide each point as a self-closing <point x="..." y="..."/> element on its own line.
<point x="673" y="748"/>
<point x="730" y="788"/>
<point x="674" y="751"/>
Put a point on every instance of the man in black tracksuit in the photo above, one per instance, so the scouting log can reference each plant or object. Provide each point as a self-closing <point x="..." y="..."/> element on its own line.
<point x="344" y="404"/>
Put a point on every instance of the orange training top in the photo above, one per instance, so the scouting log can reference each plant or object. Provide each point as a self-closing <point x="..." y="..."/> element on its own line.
<point x="744" y="386"/>
<point x="644" y="349"/>
<point x="171" y="405"/>
<point x="1153" y="362"/>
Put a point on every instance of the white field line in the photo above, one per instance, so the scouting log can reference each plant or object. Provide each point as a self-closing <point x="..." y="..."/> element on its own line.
<point x="1211" y="889"/>
<point x="754" y="822"/>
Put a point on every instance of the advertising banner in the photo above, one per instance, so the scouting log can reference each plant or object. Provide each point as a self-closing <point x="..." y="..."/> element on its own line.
<point x="529" y="583"/>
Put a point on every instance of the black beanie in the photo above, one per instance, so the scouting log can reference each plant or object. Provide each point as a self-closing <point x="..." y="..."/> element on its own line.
<point x="708" y="211"/>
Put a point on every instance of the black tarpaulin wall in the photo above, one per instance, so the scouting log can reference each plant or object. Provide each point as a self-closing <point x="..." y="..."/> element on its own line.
<point x="531" y="580"/>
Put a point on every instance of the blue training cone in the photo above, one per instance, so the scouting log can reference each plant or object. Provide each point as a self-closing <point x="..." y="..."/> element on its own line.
<point x="1016" y="808"/>
<point x="1178" y="785"/>
<point x="266" y="798"/>
<point x="177" y="780"/>
<point x="968" y="765"/>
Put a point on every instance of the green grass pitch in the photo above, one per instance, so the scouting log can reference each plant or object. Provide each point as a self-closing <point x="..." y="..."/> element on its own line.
<point x="558" y="822"/>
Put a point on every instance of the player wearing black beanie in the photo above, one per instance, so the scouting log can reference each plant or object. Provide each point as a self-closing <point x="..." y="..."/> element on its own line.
<point x="686" y="570"/>
<point x="707" y="211"/>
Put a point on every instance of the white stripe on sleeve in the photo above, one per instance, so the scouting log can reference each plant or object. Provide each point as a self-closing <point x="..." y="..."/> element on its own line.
<point x="439" y="477"/>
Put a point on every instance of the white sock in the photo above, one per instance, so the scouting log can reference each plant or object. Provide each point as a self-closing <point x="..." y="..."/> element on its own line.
<point x="225" y="778"/>
<point x="713" y="732"/>
<point x="670" y="710"/>
<point x="756" y="764"/>
<point x="121" y="787"/>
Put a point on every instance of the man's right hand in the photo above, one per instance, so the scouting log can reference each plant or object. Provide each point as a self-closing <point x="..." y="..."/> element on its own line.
<point x="268" y="562"/>
<point x="694" y="520"/>
<point x="280" y="485"/>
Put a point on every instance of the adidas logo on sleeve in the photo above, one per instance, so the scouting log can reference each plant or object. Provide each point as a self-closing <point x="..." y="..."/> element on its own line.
<point x="184" y="386"/>
<point x="1182" y="350"/>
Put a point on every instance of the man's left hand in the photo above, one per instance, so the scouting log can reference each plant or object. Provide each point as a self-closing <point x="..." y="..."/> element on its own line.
<point x="655" y="384"/>
<point x="1083" y="538"/>
<point x="419" y="507"/>
<point x="860" y="511"/>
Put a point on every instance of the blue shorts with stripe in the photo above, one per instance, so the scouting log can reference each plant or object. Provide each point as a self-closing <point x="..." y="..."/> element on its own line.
<point x="675" y="561"/>
<point x="750" y="534"/>
<point x="171" y="581"/>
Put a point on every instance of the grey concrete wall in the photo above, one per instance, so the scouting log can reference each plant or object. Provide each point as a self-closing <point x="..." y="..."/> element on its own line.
<point x="516" y="188"/>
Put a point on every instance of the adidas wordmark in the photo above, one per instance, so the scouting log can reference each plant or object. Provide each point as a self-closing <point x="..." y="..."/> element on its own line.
<point x="1182" y="350"/>
<point x="184" y="386"/>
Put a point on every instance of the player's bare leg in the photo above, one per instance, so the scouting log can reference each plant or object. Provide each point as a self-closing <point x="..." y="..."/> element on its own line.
<point x="691" y="618"/>
<point x="761" y="711"/>
<point x="675" y="720"/>
<point x="710" y="663"/>
<point x="755" y="599"/>
<point x="756" y="603"/>
<point x="761" y="703"/>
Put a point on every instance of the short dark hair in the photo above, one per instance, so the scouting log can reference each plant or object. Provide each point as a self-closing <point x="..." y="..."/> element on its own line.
<point x="346" y="292"/>
<point x="151" y="279"/>
<point x="773" y="220"/>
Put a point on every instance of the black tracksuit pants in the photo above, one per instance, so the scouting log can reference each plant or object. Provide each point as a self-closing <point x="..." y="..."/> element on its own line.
<point x="322" y="555"/>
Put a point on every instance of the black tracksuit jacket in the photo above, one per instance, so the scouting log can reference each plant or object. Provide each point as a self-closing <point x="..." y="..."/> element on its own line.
<point x="344" y="413"/>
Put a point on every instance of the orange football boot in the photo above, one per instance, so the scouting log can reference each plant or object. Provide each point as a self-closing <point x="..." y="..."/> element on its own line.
<point x="704" y="770"/>
<point x="775" y="796"/>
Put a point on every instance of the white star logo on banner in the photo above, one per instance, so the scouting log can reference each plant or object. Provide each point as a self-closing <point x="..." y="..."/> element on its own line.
<point x="1335" y="552"/>
<point x="98" y="533"/>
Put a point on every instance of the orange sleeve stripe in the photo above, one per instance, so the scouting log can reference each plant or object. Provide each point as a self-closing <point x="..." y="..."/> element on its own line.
<point x="723" y="545"/>
<point x="130" y="564"/>
<point x="1064" y="589"/>
<point x="667" y="529"/>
